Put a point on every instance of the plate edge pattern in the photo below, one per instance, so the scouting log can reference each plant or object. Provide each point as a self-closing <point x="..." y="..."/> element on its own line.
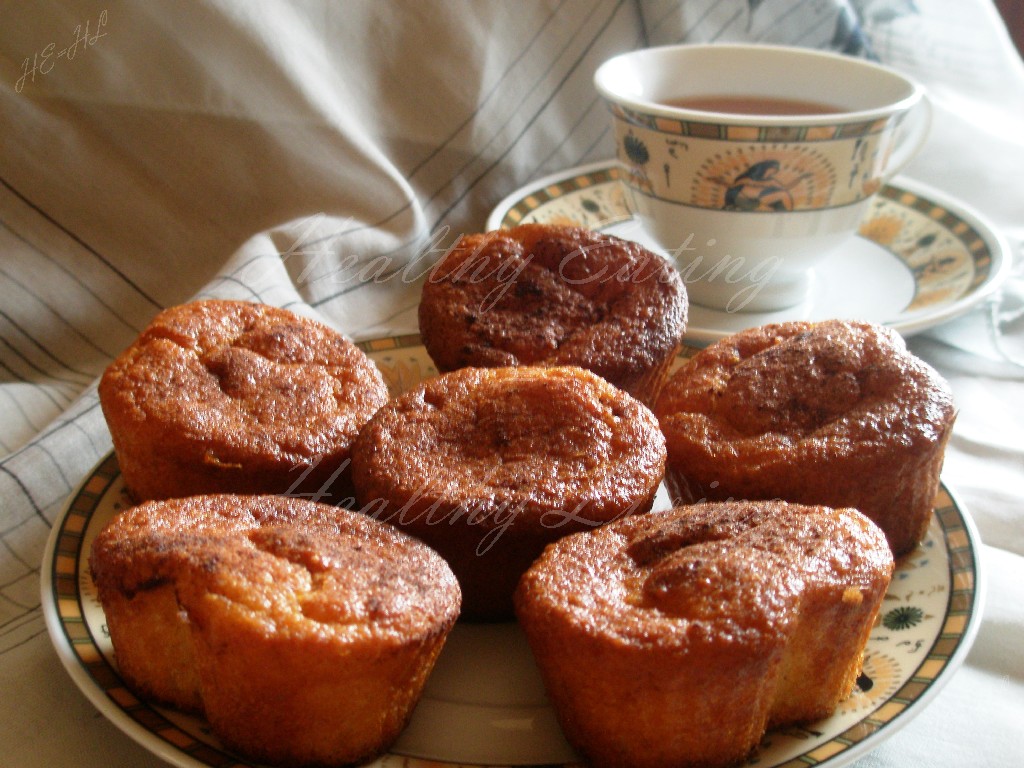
<point x="65" y="570"/>
<point x="962" y="605"/>
<point x="532" y="196"/>
<point x="556" y="189"/>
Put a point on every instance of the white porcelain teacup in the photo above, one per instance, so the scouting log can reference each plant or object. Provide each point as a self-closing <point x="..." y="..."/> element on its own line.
<point x="750" y="163"/>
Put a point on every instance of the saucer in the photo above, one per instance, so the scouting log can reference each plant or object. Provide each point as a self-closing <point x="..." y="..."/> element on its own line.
<point x="920" y="258"/>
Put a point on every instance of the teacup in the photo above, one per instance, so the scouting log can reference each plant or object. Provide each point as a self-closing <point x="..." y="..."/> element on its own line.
<point x="751" y="163"/>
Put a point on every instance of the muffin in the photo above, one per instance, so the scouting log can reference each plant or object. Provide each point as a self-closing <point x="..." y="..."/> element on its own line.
<point x="540" y="294"/>
<point x="835" y="413"/>
<point x="236" y="397"/>
<point x="488" y="465"/>
<point x="677" y="638"/>
<point x="304" y="632"/>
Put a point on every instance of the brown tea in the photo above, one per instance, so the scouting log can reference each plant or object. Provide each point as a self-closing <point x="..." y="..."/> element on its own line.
<point x="752" y="105"/>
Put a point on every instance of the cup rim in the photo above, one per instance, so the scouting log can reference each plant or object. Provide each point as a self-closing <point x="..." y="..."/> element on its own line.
<point x="916" y="91"/>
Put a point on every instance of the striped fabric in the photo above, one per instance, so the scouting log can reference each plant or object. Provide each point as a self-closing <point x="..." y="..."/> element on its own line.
<point x="125" y="191"/>
<point x="315" y="155"/>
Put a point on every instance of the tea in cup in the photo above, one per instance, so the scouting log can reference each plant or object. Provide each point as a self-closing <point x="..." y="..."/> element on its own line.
<point x="749" y="164"/>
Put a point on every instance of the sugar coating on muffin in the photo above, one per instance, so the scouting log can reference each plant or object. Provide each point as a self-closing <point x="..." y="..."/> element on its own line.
<point x="303" y="632"/>
<point x="836" y="413"/>
<point x="541" y="294"/>
<point x="236" y="397"/>
<point x="678" y="637"/>
<point x="488" y="465"/>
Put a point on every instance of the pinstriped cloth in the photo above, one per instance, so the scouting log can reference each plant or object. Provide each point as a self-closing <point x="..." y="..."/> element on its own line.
<point x="318" y="156"/>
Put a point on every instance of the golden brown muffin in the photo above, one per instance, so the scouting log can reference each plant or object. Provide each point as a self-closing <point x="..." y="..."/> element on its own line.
<point x="677" y="638"/>
<point x="488" y="465"/>
<point x="304" y="632"/>
<point x="541" y="294"/>
<point x="236" y="397"/>
<point x="836" y="413"/>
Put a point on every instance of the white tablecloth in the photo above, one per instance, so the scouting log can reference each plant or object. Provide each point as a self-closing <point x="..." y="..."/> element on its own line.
<point x="301" y="153"/>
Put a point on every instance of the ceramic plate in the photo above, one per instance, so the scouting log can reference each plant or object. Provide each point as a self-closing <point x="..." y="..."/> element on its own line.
<point x="920" y="257"/>
<point x="484" y="704"/>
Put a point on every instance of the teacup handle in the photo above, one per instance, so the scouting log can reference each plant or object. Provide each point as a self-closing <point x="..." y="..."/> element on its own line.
<point x="914" y="129"/>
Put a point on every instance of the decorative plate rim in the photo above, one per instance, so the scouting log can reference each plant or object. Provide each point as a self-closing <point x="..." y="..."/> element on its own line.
<point x="62" y="603"/>
<point x="989" y="249"/>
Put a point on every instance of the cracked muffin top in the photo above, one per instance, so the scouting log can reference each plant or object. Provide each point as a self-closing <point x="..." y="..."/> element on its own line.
<point x="489" y="465"/>
<point x="835" y="381"/>
<point x="558" y="443"/>
<point x="709" y="623"/>
<point x="297" y="567"/>
<point x="214" y="395"/>
<point x="541" y="294"/>
<point x="302" y="632"/>
<point x="837" y="412"/>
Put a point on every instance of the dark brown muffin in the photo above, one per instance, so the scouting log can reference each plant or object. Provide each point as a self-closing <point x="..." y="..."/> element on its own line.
<point x="836" y="413"/>
<point x="231" y="396"/>
<point x="677" y="638"/>
<point x="304" y="632"/>
<point x="540" y="294"/>
<point x="489" y="465"/>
